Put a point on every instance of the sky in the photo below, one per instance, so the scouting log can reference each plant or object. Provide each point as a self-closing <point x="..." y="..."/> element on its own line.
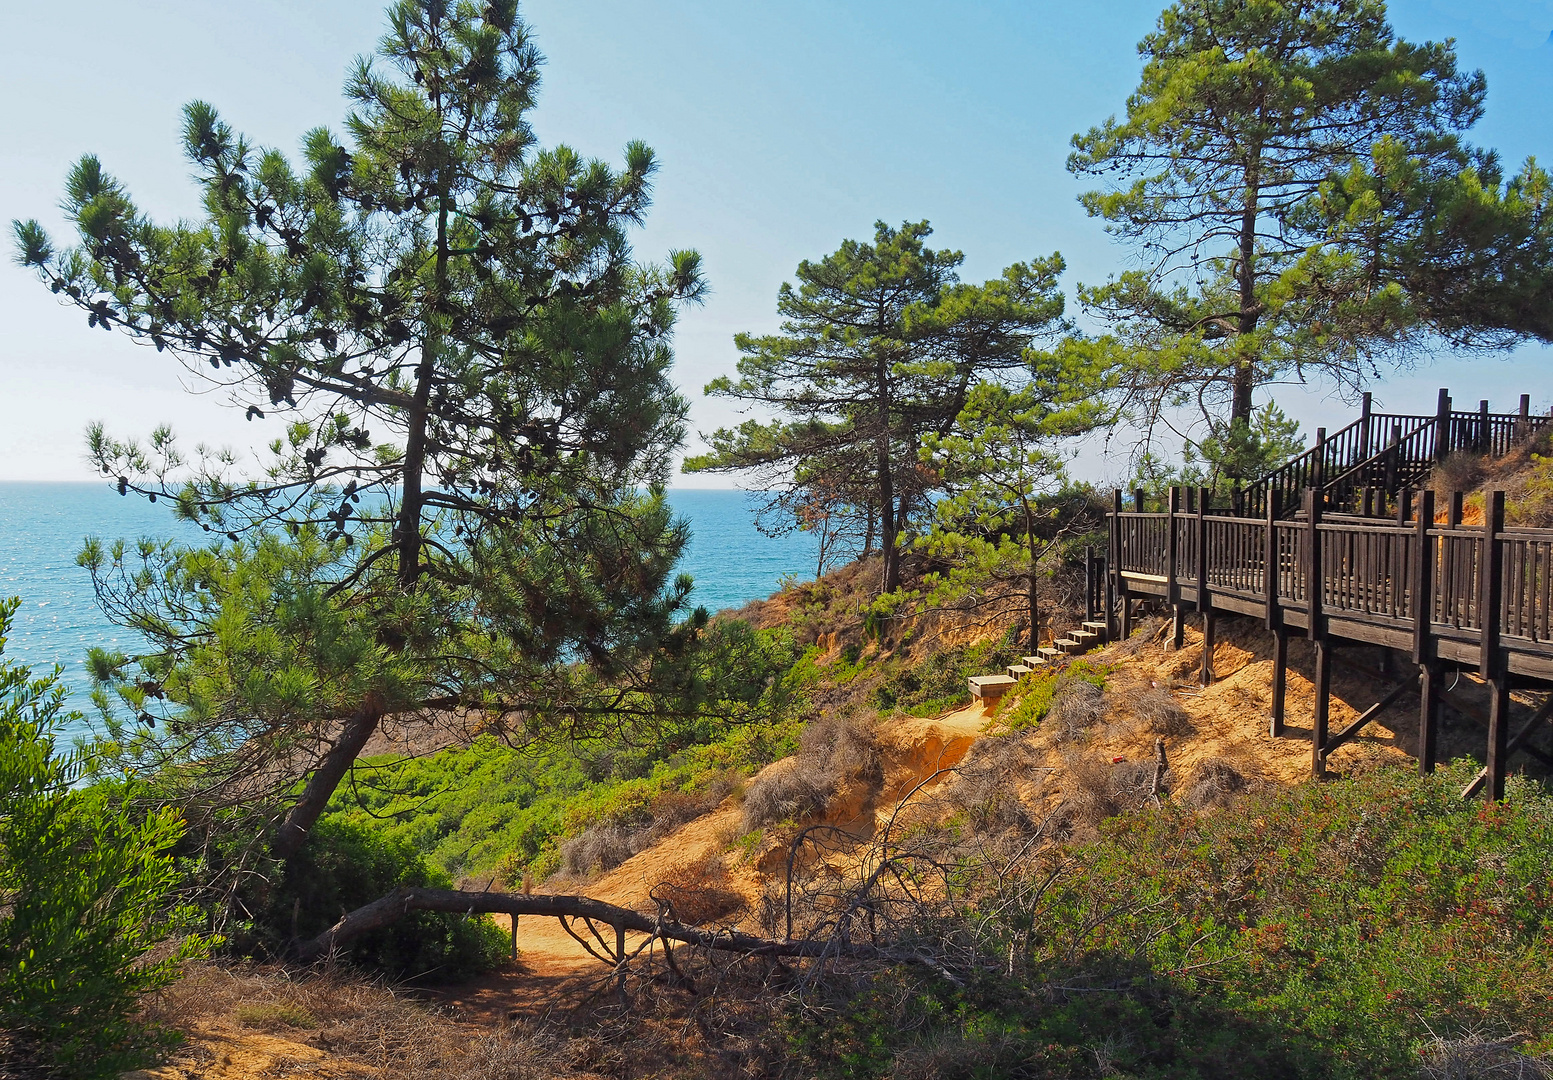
<point x="781" y="129"/>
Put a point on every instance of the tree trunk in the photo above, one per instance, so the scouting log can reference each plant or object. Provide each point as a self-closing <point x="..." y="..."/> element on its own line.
<point x="320" y="786"/>
<point x="1244" y="382"/>
<point x="892" y="573"/>
<point x="408" y="528"/>
<point x="1035" y="560"/>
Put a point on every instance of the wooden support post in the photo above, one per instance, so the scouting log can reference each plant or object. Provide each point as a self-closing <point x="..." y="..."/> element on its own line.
<point x="1137" y="500"/>
<point x="1318" y="720"/>
<point x="1521" y="741"/>
<point x="1364" y="427"/>
<point x="1280" y="679"/>
<point x="1523" y="421"/>
<point x="1428" y="715"/>
<point x="1318" y="468"/>
<point x="514" y="920"/>
<point x="1484" y="443"/>
<point x="1177" y="627"/>
<point x="1442" y="425"/>
<point x="1498" y="734"/>
<point x="1089" y="583"/>
<point x="1209" y="625"/>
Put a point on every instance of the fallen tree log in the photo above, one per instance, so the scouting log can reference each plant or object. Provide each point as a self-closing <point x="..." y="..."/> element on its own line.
<point x="389" y="909"/>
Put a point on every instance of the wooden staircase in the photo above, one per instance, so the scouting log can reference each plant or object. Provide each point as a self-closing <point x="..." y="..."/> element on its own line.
<point x="1091" y="632"/>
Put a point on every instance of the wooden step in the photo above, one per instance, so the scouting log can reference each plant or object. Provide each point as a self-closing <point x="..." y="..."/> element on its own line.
<point x="1016" y="670"/>
<point x="1070" y="647"/>
<point x="1033" y="661"/>
<point x="1097" y="627"/>
<point x="1086" y="638"/>
<point x="990" y="687"/>
<point x="1049" y="652"/>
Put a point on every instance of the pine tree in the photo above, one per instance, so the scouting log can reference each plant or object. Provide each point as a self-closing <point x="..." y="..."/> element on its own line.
<point x="1290" y="173"/>
<point x="471" y="374"/>
<point x="880" y="345"/>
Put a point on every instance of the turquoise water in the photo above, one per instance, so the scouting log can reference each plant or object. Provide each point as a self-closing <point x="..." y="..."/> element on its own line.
<point x="42" y="526"/>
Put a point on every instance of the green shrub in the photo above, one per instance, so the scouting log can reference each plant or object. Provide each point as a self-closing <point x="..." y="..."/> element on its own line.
<point x="937" y="682"/>
<point x="344" y="865"/>
<point x="85" y="896"/>
<point x="1030" y="699"/>
<point x="1336" y="930"/>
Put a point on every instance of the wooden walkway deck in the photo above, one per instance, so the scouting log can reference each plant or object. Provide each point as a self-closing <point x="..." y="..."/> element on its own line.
<point x="1452" y="596"/>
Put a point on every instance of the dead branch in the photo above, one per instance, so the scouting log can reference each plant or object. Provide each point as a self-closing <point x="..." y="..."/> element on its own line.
<point x="389" y="909"/>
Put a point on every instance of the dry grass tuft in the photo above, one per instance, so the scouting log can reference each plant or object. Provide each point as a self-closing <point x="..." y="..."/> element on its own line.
<point x="1161" y="713"/>
<point x="1097" y="789"/>
<point x="700" y="892"/>
<point x="1077" y="706"/>
<point x="831" y="751"/>
<point x="371" y="1024"/>
<point x="1475" y="1057"/>
<point x="985" y="784"/>
<point x="1214" y="782"/>
<point x="604" y="846"/>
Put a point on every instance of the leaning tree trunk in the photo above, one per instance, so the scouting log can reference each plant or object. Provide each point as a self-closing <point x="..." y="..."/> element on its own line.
<point x="391" y="908"/>
<point x="320" y="786"/>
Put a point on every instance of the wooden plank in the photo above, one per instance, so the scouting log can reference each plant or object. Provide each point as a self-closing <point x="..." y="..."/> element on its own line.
<point x="1498" y="735"/>
<point x="1313" y="567"/>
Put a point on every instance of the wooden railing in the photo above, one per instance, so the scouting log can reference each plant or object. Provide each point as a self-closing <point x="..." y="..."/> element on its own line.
<point x="1483" y="583"/>
<point x="1384" y="452"/>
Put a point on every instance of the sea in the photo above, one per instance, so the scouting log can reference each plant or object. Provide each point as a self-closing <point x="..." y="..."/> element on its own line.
<point x="42" y="526"/>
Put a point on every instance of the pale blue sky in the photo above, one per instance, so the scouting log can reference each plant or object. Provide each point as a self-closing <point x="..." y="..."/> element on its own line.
<point x="782" y="128"/>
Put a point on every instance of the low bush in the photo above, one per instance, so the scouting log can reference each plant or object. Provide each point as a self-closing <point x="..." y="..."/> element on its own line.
<point x="344" y="865"/>
<point x="88" y="920"/>
<point x="832" y="750"/>
<point x="936" y="683"/>
<point x="1031" y="699"/>
<point x="1161" y="713"/>
<point x="1371" y="927"/>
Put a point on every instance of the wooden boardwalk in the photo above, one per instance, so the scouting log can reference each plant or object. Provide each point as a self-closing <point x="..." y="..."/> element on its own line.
<point x="1451" y="596"/>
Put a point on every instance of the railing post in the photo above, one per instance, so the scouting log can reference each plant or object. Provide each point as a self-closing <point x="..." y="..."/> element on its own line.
<point x="1364" y="427"/>
<point x="1394" y="458"/>
<point x="1423" y="645"/>
<point x="1172" y="585"/>
<point x="1318" y="467"/>
<point x="1204" y="599"/>
<point x="1270" y="561"/>
<point x="1313" y="582"/>
<point x="1491" y="569"/>
<point x="1137" y="500"/>
<point x="1484" y="441"/>
<point x="1423" y="577"/>
<point x="1113" y="564"/>
<point x="1203" y="497"/>
<point x="1442" y="422"/>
